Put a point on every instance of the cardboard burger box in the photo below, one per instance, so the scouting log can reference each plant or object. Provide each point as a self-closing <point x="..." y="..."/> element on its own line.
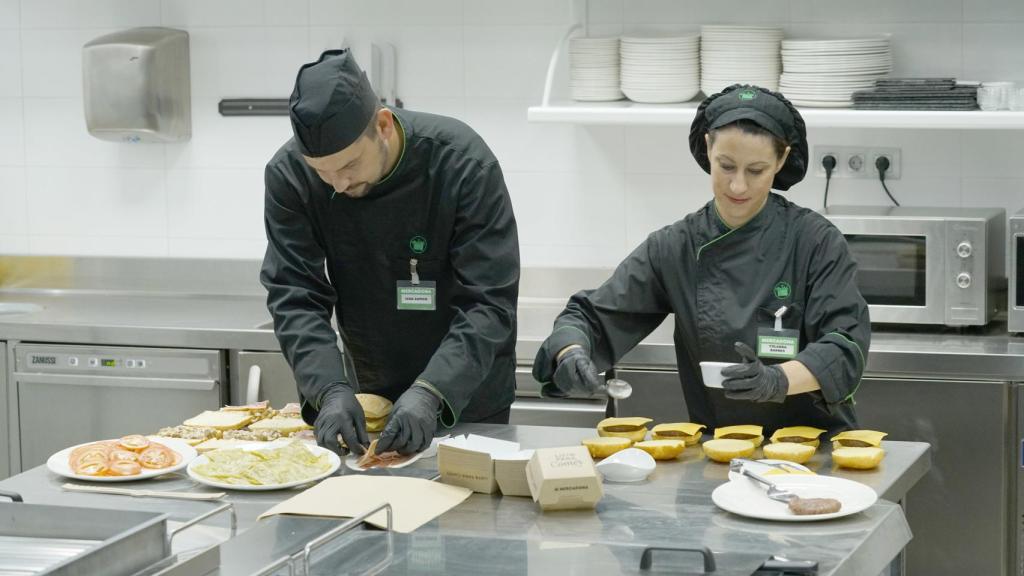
<point x="510" y="472"/>
<point x="563" y="478"/>
<point x="482" y="464"/>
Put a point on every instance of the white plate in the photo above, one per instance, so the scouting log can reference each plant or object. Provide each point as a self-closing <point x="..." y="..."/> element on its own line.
<point x="352" y="461"/>
<point x="430" y="452"/>
<point x="333" y="458"/>
<point x="747" y="497"/>
<point x="58" y="463"/>
<point x="659" y="97"/>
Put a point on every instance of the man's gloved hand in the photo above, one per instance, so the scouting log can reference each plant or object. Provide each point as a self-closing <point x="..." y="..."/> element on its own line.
<point x="340" y="413"/>
<point x="753" y="379"/>
<point x="575" y="372"/>
<point x="412" y="423"/>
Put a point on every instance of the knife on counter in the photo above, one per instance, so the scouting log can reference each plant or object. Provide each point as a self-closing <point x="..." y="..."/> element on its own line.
<point x="143" y="493"/>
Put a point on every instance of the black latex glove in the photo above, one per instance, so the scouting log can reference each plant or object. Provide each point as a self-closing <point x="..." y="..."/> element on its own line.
<point x="340" y="413"/>
<point x="412" y="423"/>
<point x="753" y="379"/>
<point x="575" y="373"/>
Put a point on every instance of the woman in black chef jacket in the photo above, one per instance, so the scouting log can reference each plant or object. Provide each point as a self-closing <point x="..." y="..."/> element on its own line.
<point x="751" y="278"/>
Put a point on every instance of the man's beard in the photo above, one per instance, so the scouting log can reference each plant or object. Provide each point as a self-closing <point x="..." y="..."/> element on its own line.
<point x="382" y="149"/>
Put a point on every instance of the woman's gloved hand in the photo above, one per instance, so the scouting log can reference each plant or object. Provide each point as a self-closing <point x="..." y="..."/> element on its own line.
<point x="575" y="372"/>
<point x="754" y="380"/>
<point x="413" y="421"/>
<point x="341" y="414"/>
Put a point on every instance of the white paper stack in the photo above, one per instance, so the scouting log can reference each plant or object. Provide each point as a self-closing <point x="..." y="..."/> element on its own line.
<point x="739" y="55"/>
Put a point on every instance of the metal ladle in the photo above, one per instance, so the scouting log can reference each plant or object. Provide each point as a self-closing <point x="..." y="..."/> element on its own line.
<point x="618" y="389"/>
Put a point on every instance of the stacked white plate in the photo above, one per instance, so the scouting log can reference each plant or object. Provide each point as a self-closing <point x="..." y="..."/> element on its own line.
<point x="594" y="69"/>
<point x="826" y="72"/>
<point x="739" y="55"/>
<point x="660" y="69"/>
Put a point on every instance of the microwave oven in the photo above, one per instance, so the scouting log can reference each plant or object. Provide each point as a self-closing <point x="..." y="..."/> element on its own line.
<point x="1015" y="306"/>
<point x="918" y="265"/>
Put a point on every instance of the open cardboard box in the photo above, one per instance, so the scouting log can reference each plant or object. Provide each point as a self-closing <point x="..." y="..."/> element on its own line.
<point x="564" y="478"/>
<point x="483" y="464"/>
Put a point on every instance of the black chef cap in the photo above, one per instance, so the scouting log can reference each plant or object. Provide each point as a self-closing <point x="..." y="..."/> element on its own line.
<point x="769" y="110"/>
<point x="332" y="104"/>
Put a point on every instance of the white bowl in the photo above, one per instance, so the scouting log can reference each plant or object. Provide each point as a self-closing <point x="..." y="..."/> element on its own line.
<point x="629" y="465"/>
<point x="712" y="373"/>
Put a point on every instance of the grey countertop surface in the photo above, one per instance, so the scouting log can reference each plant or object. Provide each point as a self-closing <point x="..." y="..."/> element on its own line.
<point x="672" y="508"/>
<point x="243" y="323"/>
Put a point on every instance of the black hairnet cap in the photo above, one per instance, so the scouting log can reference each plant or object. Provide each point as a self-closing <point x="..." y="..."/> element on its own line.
<point x="769" y="110"/>
<point x="331" y="105"/>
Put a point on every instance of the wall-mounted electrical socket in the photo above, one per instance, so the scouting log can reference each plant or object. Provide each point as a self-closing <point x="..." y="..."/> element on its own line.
<point x="893" y="154"/>
<point x="856" y="161"/>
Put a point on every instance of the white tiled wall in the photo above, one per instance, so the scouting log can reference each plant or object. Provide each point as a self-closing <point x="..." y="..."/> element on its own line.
<point x="584" y="196"/>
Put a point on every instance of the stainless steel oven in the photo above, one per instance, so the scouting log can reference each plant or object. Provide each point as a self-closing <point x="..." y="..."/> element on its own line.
<point x="1015" y="308"/>
<point x="920" y="265"/>
<point x="68" y="395"/>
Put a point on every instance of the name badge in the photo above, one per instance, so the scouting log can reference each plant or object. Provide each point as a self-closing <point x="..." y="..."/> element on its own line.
<point x="777" y="343"/>
<point x="419" y="296"/>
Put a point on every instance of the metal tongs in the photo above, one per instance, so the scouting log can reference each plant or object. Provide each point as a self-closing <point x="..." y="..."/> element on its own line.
<point x="738" y="465"/>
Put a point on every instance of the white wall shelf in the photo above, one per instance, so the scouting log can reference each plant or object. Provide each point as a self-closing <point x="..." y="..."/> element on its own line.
<point x="625" y="113"/>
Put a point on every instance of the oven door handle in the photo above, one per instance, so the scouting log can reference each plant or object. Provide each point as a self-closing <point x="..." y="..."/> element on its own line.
<point x="116" y="381"/>
<point x="252" y="388"/>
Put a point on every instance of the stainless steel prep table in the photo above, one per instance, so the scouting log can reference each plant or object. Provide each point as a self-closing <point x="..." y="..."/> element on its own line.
<point x="219" y="304"/>
<point x="672" y="508"/>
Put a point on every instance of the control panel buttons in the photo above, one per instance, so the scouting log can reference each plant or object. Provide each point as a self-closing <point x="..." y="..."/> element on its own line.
<point x="963" y="280"/>
<point x="73" y="361"/>
<point x="129" y="363"/>
<point x="140" y="363"/>
<point x="94" y="362"/>
<point x="964" y="249"/>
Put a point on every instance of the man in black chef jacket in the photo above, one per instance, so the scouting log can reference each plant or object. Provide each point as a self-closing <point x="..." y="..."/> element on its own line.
<point x="400" y="223"/>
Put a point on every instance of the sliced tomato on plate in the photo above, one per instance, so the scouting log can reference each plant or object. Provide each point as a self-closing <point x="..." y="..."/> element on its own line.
<point x="120" y="455"/>
<point x="125" y="468"/>
<point x="91" y="469"/>
<point x="158" y="456"/>
<point x="135" y="442"/>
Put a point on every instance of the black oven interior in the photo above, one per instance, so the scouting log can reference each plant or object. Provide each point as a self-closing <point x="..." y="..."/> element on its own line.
<point x="891" y="270"/>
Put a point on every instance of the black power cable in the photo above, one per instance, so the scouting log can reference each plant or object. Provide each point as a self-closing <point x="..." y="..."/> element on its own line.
<point x="828" y="162"/>
<point x="882" y="164"/>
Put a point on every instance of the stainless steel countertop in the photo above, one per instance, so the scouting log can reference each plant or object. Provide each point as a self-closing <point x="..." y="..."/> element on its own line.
<point x="672" y="508"/>
<point x="140" y="319"/>
<point x="243" y="323"/>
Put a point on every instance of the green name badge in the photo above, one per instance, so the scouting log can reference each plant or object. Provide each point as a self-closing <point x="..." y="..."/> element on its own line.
<point x="777" y="343"/>
<point x="420" y="296"/>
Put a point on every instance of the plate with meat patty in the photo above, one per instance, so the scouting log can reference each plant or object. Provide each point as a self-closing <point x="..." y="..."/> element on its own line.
<point x="822" y="494"/>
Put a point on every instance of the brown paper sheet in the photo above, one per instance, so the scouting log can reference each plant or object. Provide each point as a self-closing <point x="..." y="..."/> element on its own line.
<point x="414" y="501"/>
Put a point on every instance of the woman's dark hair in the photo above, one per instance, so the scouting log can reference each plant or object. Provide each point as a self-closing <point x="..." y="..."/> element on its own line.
<point x="748" y="126"/>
